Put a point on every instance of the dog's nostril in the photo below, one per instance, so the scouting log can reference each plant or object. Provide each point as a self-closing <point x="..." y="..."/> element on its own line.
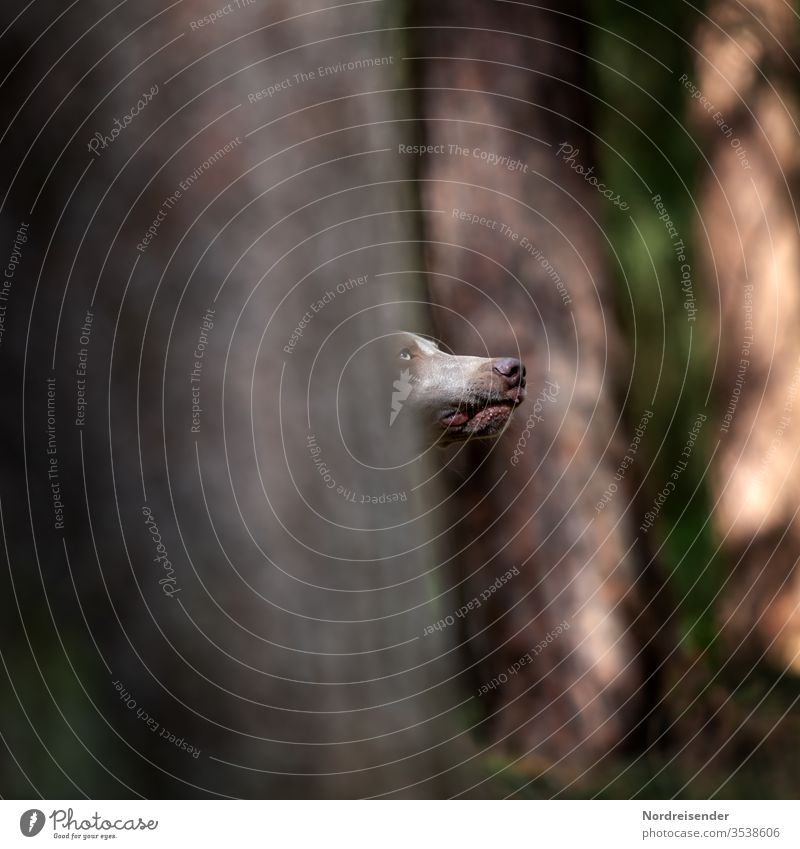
<point x="510" y="368"/>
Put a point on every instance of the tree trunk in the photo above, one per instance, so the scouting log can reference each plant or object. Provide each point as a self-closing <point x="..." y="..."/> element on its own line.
<point x="245" y="628"/>
<point x="516" y="263"/>
<point x="745" y="111"/>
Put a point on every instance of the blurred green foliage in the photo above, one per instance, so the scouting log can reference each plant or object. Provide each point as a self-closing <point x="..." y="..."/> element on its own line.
<point x="645" y="148"/>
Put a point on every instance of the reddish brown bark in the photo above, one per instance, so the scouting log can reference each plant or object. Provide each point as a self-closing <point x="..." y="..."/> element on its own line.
<point x="505" y="80"/>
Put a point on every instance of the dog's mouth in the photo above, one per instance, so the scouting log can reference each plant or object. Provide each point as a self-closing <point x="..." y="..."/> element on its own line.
<point x="484" y="418"/>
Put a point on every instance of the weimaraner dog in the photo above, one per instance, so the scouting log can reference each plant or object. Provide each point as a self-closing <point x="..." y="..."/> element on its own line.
<point x="456" y="398"/>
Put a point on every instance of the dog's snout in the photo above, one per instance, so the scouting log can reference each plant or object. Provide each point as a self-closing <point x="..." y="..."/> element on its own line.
<point x="511" y="370"/>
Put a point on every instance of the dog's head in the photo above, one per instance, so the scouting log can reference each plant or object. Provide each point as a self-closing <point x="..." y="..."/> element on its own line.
<point x="453" y="397"/>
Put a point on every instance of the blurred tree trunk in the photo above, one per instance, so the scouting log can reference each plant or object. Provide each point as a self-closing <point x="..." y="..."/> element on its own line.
<point x="748" y="231"/>
<point x="506" y="80"/>
<point x="292" y="657"/>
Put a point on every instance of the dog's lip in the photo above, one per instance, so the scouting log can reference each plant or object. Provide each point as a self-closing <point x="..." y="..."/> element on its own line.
<point x="461" y="415"/>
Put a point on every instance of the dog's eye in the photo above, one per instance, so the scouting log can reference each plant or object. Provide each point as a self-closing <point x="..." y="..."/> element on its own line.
<point x="405" y="354"/>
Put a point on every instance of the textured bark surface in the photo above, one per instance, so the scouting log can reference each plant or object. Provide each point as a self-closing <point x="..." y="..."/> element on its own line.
<point x="504" y="80"/>
<point x="746" y="67"/>
<point x="290" y="650"/>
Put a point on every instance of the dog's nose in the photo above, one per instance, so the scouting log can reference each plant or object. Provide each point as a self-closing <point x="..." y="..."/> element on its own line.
<point x="511" y="370"/>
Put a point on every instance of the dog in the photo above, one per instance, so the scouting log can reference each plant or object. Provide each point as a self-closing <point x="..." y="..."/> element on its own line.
<point x="454" y="398"/>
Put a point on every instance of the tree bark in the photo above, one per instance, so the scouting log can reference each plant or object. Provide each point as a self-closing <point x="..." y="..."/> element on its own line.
<point x="278" y="627"/>
<point x="516" y="263"/>
<point x="746" y="119"/>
